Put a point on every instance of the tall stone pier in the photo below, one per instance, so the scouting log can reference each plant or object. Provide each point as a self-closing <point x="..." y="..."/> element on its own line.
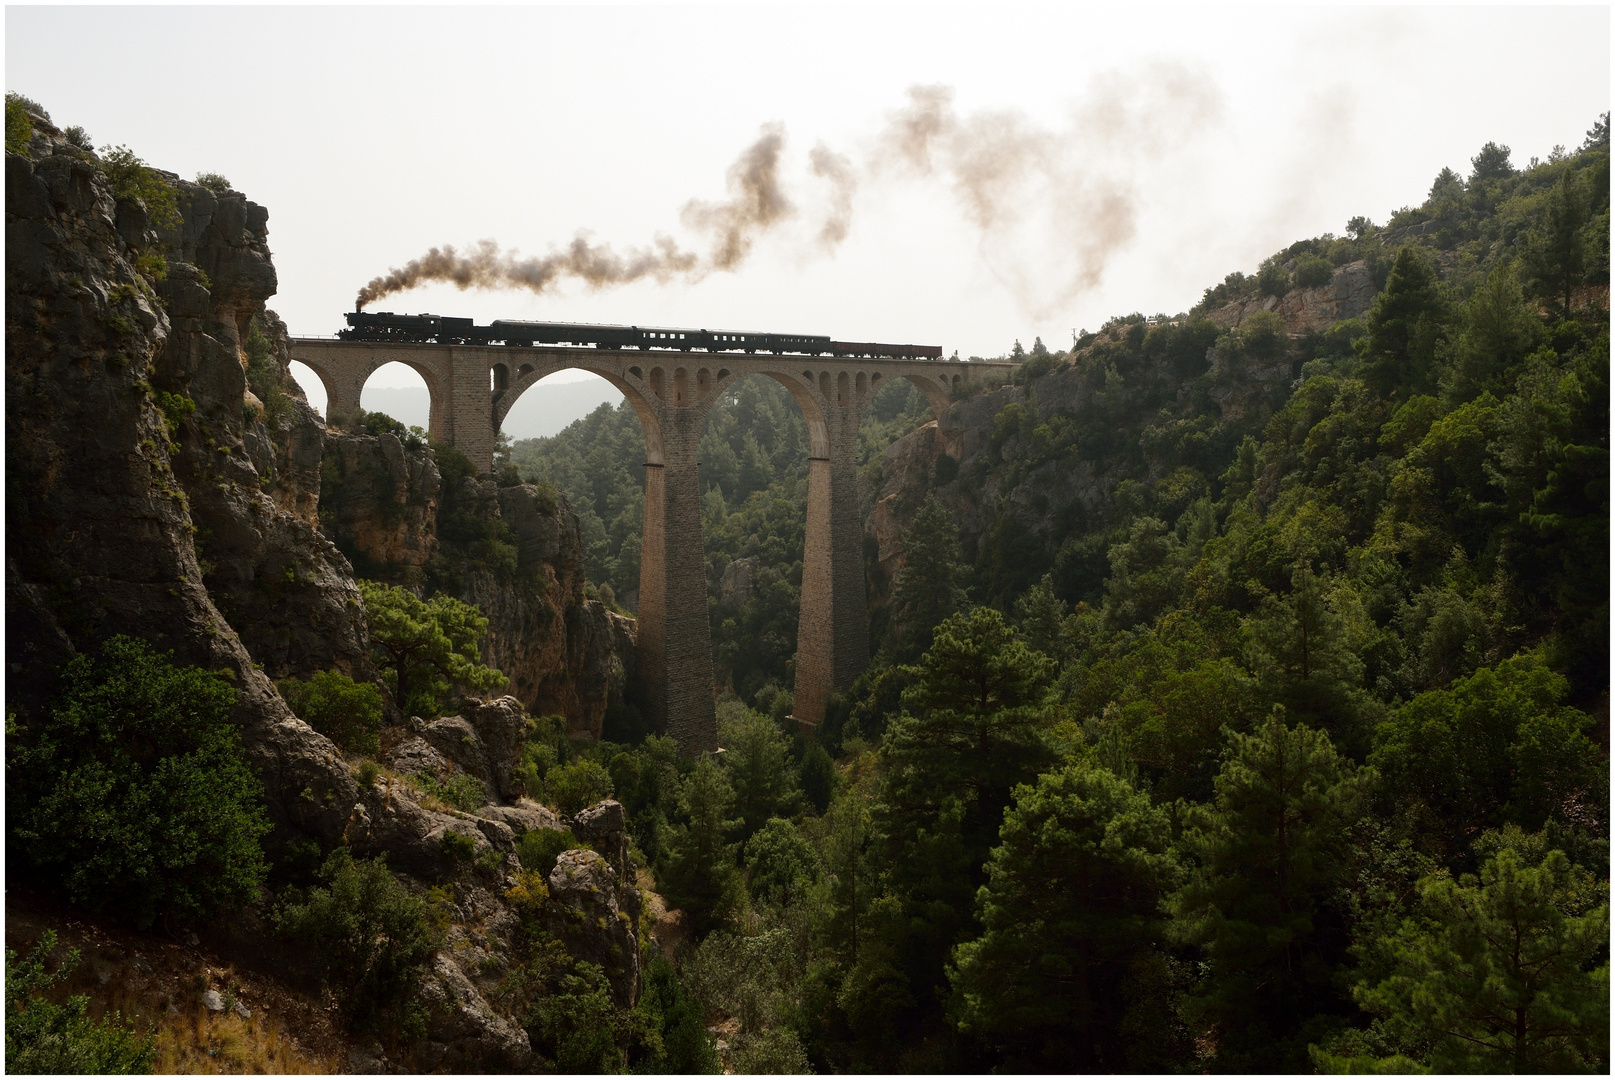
<point x="474" y="386"/>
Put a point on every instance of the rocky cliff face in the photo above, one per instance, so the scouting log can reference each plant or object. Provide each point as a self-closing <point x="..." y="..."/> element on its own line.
<point x="152" y="493"/>
<point x="379" y="504"/>
<point x="514" y="553"/>
<point x="126" y="445"/>
<point x="1348" y="294"/>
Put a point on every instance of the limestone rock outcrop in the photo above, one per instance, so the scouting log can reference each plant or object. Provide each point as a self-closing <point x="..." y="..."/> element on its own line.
<point x="249" y="475"/>
<point x="736" y="582"/>
<point x="413" y="754"/>
<point x="432" y="845"/>
<point x="604" y="827"/>
<point x="1347" y="295"/>
<point x="108" y="493"/>
<point x="501" y="726"/>
<point x="522" y="816"/>
<point x="558" y="649"/>
<point x="395" y="516"/>
<point x="295" y="452"/>
<point x="463" y="1033"/>
<point x="601" y="653"/>
<point x="485" y="744"/>
<point x="586" y="912"/>
<point x="379" y="505"/>
<point x="457" y="742"/>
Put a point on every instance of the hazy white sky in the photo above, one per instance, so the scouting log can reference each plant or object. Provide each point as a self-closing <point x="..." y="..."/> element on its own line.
<point x="1162" y="147"/>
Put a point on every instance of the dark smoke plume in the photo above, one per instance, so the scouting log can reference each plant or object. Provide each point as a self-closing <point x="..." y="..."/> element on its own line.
<point x="486" y="267"/>
<point x="1051" y="207"/>
<point x="757" y="203"/>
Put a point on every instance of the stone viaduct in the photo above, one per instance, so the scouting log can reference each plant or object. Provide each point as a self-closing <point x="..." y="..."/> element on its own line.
<point x="474" y="386"/>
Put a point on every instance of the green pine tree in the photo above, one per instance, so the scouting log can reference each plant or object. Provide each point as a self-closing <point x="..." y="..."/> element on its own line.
<point x="1497" y="975"/>
<point x="1072" y="895"/>
<point x="1404" y="328"/>
<point x="427" y="647"/>
<point x="974" y="726"/>
<point x="931" y="584"/>
<point x="698" y="873"/>
<point x="1270" y="851"/>
<point x="1496" y="330"/>
<point x="1040" y="615"/>
<point x="756" y="759"/>
<point x="1555" y="250"/>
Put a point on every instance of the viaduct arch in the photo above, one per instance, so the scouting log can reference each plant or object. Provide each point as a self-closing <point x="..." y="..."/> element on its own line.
<point x="474" y="386"/>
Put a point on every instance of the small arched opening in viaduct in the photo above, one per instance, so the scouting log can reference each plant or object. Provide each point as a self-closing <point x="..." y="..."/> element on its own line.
<point x="315" y="387"/>
<point x="402" y="392"/>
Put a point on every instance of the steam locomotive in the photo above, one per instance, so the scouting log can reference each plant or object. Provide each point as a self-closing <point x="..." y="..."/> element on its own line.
<point x="384" y="326"/>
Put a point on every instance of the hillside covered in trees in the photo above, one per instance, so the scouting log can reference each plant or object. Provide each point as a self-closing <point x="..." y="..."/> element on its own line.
<point x="1239" y="697"/>
<point x="1282" y="745"/>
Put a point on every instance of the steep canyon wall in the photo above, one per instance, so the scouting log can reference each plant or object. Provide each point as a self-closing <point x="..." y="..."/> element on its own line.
<point x="166" y="480"/>
<point x="152" y="492"/>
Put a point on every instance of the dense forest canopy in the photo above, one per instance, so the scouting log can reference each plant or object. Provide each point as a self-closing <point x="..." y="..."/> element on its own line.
<point x="1290" y="755"/>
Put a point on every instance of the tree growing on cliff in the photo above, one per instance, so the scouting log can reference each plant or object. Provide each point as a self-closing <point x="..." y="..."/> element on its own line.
<point x="19" y="125"/>
<point x="263" y="374"/>
<point x="427" y="648"/>
<point x="134" y="180"/>
<point x="133" y="793"/>
<point x="344" y="711"/>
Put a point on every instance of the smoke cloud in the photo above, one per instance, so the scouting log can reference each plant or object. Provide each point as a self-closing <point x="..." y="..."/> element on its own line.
<point x="1051" y="207"/>
<point x="487" y="267"/>
<point x="837" y="169"/>
<point x="757" y="202"/>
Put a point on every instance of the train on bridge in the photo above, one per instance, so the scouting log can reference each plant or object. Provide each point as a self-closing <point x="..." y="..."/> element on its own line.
<point x="384" y="326"/>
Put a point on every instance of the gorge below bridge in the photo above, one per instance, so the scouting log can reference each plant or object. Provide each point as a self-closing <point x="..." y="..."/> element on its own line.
<point x="473" y="387"/>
